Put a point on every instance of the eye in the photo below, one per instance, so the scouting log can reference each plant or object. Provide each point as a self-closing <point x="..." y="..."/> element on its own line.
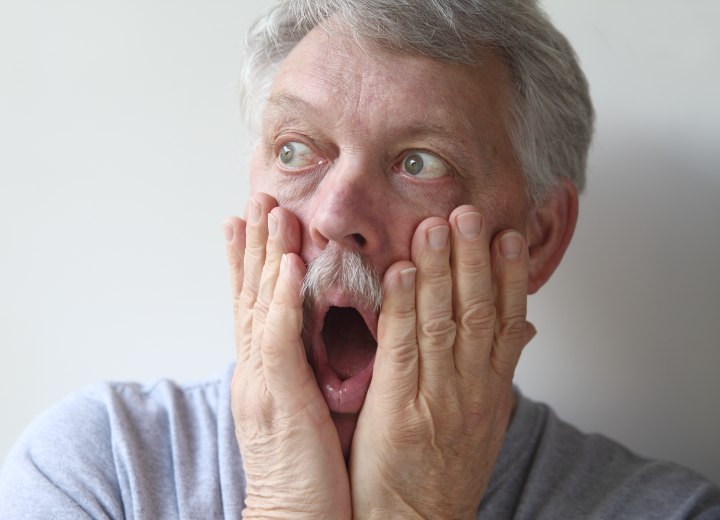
<point x="424" y="165"/>
<point x="296" y="155"/>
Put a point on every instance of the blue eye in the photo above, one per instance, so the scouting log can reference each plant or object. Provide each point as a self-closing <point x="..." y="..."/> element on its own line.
<point x="296" y="155"/>
<point x="424" y="165"/>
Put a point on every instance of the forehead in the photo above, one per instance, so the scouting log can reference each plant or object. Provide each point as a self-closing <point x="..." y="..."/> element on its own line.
<point x="372" y="89"/>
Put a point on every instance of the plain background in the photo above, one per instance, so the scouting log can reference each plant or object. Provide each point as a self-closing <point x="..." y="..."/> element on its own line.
<point x="121" y="151"/>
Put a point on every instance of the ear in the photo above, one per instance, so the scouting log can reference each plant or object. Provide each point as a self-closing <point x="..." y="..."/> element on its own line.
<point x="550" y="227"/>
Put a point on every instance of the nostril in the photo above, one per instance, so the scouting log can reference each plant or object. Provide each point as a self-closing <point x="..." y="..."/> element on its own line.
<point x="359" y="239"/>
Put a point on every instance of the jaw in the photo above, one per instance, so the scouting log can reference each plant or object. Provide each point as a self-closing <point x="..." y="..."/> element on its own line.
<point x="341" y="338"/>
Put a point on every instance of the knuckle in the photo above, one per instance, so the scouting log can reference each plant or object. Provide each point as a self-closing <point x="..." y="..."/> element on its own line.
<point x="401" y="347"/>
<point x="480" y="314"/>
<point x="260" y="309"/>
<point x="512" y="327"/>
<point x="437" y="327"/>
<point x="403" y="352"/>
<point x="472" y="262"/>
<point x="402" y="313"/>
<point x="516" y="286"/>
<point x="264" y="295"/>
<point x="436" y="292"/>
<point x="248" y="296"/>
<point x="237" y="307"/>
<point x="243" y="326"/>
<point x="267" y="282"/>
<point x="435" y="271"/>
<point x="254" y="252"/>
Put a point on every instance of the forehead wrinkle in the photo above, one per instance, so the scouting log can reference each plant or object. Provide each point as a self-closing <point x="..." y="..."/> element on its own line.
<point x="286" y="106"/>
<point x="283" y="106"/>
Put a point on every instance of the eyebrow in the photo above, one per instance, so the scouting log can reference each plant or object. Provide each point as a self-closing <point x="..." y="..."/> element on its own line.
<point x="284" y="107"/>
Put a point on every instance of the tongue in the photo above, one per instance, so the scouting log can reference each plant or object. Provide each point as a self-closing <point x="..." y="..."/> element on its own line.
<point x="349" y="343"/>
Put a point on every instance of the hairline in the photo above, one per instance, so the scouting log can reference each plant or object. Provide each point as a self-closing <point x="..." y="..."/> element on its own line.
<point x="549" y="115"/>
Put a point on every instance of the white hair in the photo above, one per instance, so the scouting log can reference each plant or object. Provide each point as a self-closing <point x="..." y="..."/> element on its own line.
<point x="551" y="115"/>
<point x="344" y="270"/>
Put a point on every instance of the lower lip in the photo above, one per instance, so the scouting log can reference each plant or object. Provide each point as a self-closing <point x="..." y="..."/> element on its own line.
<point x="341" y="396"/>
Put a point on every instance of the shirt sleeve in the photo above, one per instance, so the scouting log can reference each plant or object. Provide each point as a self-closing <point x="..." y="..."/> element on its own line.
<point x="62" y="467"/>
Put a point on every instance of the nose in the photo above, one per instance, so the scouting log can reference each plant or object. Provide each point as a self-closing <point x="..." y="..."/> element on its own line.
<point x="347" y="210"/>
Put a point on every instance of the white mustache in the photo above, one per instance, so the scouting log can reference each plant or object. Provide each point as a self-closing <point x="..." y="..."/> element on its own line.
<point x="344" y="270"/>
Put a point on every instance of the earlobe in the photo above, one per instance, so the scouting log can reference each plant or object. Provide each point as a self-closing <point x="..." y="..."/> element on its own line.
<point x="550" y="228"/>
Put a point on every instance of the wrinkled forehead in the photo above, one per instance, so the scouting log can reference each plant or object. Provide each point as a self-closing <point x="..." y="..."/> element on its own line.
<point x="348" y="77"/>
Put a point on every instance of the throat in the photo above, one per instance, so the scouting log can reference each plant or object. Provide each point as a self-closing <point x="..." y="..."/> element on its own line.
<point x="349" y="344"/>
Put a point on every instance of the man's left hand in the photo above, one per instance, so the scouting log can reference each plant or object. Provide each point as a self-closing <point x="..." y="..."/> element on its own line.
<point x="451" y="330"/>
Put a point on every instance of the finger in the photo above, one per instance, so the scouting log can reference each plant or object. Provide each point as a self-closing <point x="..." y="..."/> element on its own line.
<point x="283" y="237"/>
<point x="395" y="373"/>
<point x="473" y="299"/>
<point x="510" y="255"/>
<point x="284" y="362"/>
<point x="234" y="229"/>
<point x="255" y="241"/>
<point x="435" y="325"/>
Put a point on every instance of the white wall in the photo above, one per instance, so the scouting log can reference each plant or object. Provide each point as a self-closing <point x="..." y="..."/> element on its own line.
<point x="121" y="152"/>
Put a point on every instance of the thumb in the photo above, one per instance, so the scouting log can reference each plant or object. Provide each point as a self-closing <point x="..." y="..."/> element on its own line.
<point x="395" y="373"/>
<point x="283" y="356"/>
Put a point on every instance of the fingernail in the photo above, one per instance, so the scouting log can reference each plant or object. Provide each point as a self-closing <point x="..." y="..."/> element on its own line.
<point x="469" y="225"/>
<point x="283" y="262"/>
<point x="272" y="225"/>
<point x="511" y="245"/>
<point x="254" y="210"/>
<point x="438" y="237"/>
<point x="228" y="229"/>
<point x="407" y="277"/>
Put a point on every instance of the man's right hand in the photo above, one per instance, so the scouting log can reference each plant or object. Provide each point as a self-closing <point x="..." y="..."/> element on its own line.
<point x="291" y="453"/>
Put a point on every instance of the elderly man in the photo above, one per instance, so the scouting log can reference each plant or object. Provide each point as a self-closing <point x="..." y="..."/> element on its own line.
<point x="415" y="176"/>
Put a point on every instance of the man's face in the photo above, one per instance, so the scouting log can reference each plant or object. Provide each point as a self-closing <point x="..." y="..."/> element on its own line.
<point x="363" y="145"/>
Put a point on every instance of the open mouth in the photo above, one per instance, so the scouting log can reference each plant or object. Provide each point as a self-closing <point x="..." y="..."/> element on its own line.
<point x="344" y="341"/>
<point x="349" y="343"/>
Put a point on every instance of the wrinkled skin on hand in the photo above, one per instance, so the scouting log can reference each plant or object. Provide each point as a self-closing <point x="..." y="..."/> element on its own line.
<point x="451" y="330"/>
<point x="441" y="398"/>
<point x="291" y="453"/>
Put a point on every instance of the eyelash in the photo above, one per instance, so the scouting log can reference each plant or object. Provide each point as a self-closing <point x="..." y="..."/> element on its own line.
<point x="283" y="139"/>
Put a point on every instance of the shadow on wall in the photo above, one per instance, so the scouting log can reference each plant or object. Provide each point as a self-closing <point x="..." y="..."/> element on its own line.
<point x="629" y="330"/>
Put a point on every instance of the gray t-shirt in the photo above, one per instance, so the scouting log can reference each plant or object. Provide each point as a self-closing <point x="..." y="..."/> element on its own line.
<point x="168" y="451"/>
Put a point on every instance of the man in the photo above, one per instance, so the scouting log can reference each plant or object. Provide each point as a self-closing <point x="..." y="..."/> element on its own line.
<point x="415" y="176"/>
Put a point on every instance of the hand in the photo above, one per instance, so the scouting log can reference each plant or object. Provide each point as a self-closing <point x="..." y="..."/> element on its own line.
<point x="451" y="330"/>
<point x="290" y="448"/>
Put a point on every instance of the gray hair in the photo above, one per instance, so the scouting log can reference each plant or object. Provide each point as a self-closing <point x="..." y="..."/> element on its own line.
<point x="345" y="270"/>
<point x="551" y="114"/>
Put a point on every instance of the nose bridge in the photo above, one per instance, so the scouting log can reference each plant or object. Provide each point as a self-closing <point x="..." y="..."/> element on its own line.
<point x="345" y="210"/>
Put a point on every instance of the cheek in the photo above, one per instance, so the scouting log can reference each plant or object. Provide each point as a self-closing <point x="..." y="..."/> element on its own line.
<point x="504" y="208"/>
<point x="295" y="191"/>
<point x="412" y="207"/>
<point x="438" y="200"/>
<point x="401" y="227"/>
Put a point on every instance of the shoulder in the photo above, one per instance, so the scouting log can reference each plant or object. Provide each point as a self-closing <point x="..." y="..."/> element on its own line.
<point x="91" y="453"/>
<point x="564" y="472"/>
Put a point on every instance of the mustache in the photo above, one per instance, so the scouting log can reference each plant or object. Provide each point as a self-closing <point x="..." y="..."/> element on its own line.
<point x="345" y="270"/>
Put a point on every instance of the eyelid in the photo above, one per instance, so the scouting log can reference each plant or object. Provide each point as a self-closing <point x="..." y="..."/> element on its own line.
<point x="284" y="138"/>
<point x="451" y="172"/>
